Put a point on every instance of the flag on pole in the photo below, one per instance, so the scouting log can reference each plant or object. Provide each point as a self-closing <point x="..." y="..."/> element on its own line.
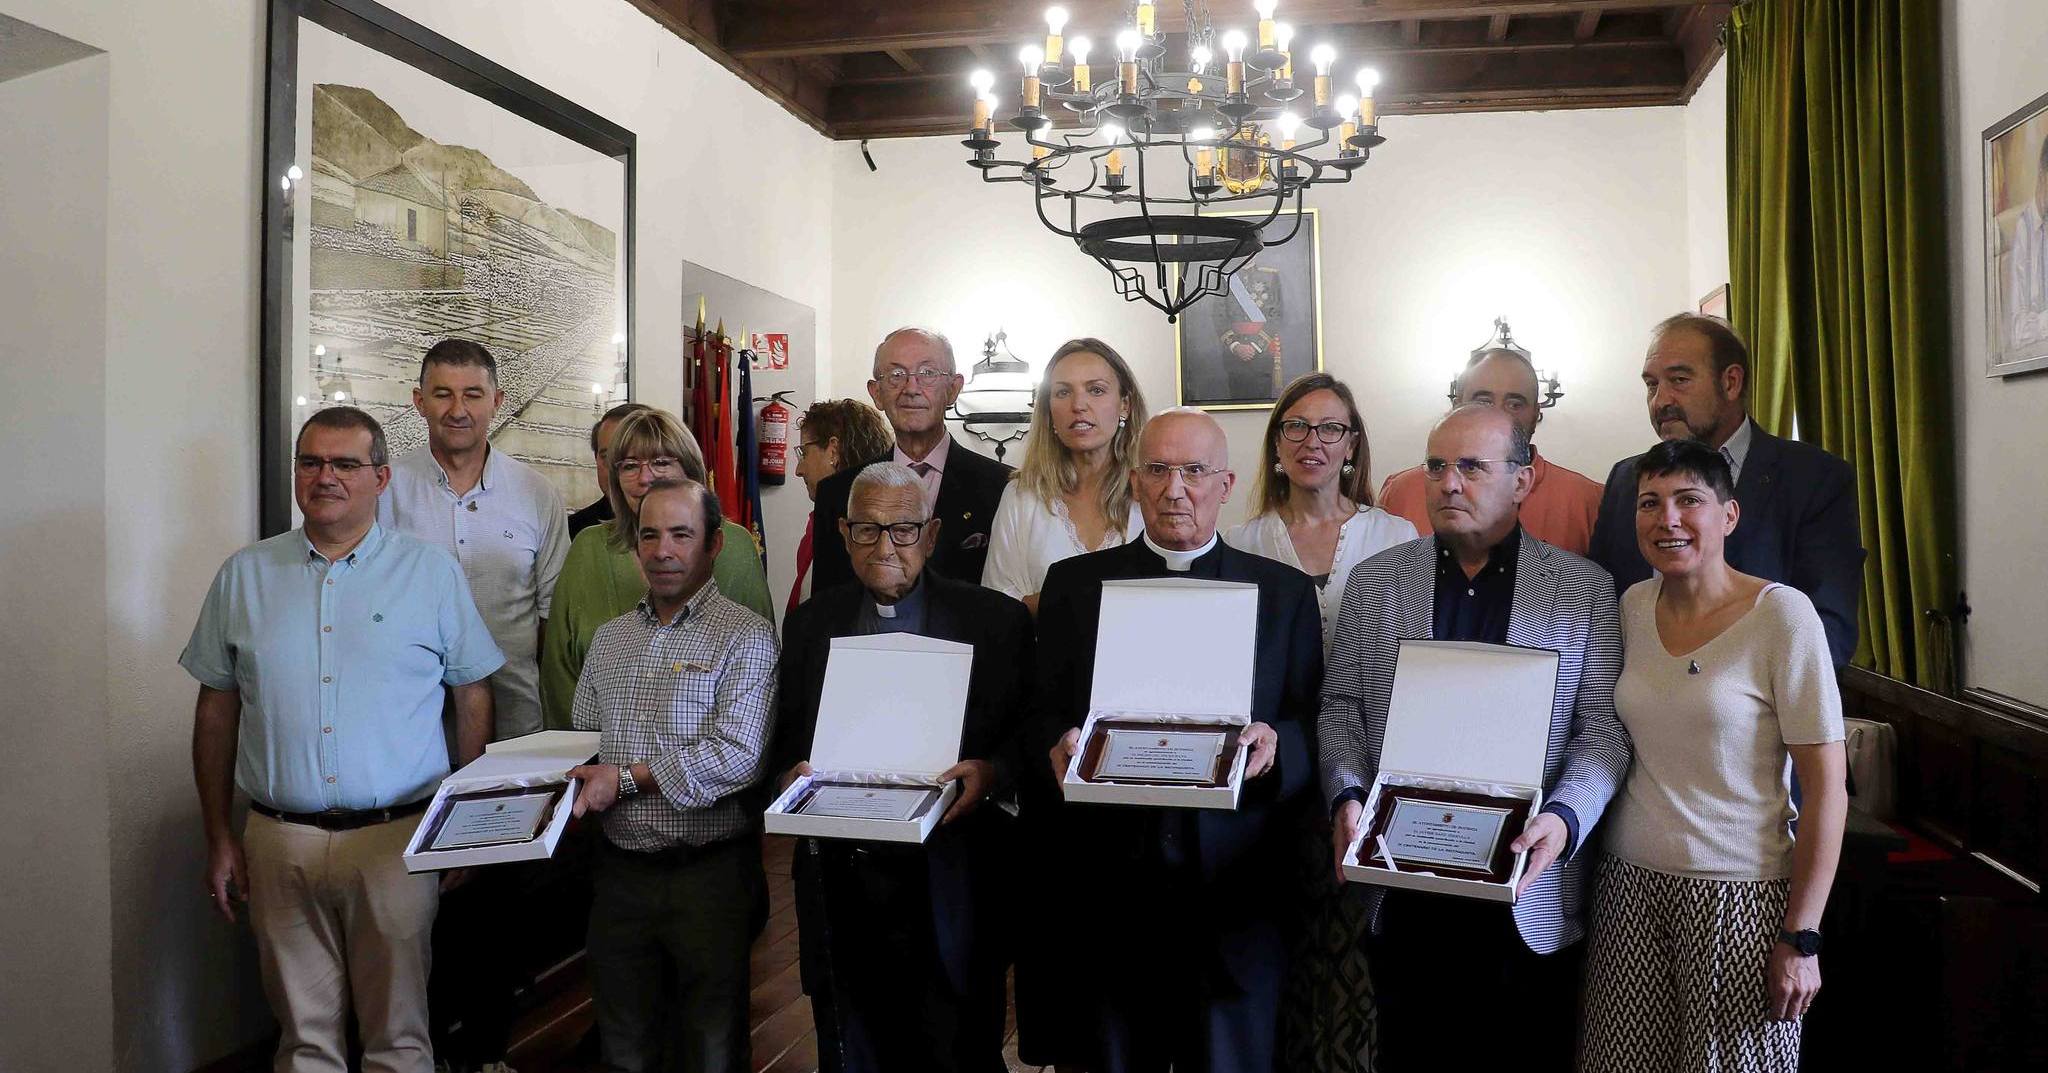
<point x="748" y="510"/>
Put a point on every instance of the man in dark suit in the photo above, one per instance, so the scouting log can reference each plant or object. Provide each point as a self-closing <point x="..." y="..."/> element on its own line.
<point x="1174" y="924"/>
<point x="1799" y="524"/>
<point x="901" y="946"/>
<point x="915" y="380"/>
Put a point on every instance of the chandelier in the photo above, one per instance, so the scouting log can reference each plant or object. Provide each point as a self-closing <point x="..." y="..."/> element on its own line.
<point x="1167" y="140"/>
<point x="1549" y="380"/>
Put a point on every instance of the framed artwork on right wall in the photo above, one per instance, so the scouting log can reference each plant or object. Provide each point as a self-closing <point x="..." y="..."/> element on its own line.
<point x="2016" y="241"/>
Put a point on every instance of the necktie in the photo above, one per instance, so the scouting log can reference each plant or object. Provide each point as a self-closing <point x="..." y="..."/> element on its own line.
<point x="922" y="469"/>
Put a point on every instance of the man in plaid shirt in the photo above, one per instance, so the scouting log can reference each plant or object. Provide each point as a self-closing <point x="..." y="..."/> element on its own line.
<point x="681" y="688"/>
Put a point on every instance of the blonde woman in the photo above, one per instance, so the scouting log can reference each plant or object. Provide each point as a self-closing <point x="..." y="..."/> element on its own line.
<point x="1314" y="492"/>
<point x="600" y="578"/>
<point x="1073" y="493"/>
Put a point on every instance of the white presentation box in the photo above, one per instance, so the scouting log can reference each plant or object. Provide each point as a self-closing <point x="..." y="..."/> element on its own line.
<point x="537" y="759"/>
<point x="889" y="715"/>
<point x="1171" y="651"/>
<point x="1465" y="717"/>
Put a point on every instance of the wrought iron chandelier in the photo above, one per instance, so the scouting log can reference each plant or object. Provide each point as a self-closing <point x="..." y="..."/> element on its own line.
<point x="1158" y="152"/>
<point x="1549" y="380"/>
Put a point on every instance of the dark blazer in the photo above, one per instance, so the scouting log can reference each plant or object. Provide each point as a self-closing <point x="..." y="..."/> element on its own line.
<point x="969" y="490"/>
<point x="960" y="856"/>
<point x="1798" y="528"/>
<point x="1242" y="856"/>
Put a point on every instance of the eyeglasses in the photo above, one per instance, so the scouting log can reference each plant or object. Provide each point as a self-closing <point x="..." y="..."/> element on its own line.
<point x="1468" y="468"/>
<point x="1295" y="430"/>
<point x="662" y="466"/>
<point x="901" y="534"/>
<point x="1194" y="473"/>
<point x="895" y="379"/>
<point x="311" y="465"/>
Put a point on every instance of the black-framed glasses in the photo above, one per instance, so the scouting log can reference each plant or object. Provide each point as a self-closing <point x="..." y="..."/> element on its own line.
<point x="1194" y="473"/>
<point x="901" y="534"/>
<point x="659" y="466"/>
<point x="311" y="465"/>
<point x="895" y="379"/>
<point x="1295" y="430"/>
<point x="1468" y="468"/>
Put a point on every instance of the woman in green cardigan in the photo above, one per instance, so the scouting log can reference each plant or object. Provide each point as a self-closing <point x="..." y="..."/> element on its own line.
<point x="601" y="580"/>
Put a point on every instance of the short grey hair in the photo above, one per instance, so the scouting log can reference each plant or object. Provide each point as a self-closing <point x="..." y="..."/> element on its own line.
<point x="883" y="477"/>
<point x="1518" y="440"/>
<point x="937" y="339"/>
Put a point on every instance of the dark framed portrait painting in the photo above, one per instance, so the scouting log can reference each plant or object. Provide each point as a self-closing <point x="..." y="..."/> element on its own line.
<point x="416" y="191"/>
<point x="1238" y="349"/>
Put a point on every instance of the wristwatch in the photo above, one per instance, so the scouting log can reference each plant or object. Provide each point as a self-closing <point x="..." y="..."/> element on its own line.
<point x="627" y="787"/>
<point x="1807" y="942"/>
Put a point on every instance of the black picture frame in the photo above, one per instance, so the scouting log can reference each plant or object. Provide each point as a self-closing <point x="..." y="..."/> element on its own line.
<point x="377" y="27"/>
<point x="1203" y="372"/>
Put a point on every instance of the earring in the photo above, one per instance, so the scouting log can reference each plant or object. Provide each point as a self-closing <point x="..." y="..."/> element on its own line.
<point x="1277" y="469"/>
<point x="1349" y="469"/>
<point x="1122" y="421"/>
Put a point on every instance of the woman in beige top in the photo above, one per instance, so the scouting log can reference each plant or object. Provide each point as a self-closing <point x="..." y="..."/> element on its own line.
<point x="1705" y="939"/>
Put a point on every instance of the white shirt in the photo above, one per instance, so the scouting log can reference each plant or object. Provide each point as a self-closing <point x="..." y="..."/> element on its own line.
<point x="511" y="533"/>
<point x="1029" y="535"/>
<point x="1736" y="450"/>
<point x="1178" y="561"/>
<point x="1364" y="535"/>
<point x="937" y="461"/>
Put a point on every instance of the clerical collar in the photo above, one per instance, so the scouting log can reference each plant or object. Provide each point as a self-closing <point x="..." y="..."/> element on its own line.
<point x="1179" y="561"/>
<point x="907" y="605"/>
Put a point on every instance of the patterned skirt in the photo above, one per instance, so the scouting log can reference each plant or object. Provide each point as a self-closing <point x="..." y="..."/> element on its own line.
<point x="1675" y="977"/>
<point x="1328" y="1020"/>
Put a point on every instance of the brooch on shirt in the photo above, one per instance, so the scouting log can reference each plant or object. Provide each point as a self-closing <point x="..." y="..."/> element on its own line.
<point x="1692" y="666"/>
<point x="692" y="666"/>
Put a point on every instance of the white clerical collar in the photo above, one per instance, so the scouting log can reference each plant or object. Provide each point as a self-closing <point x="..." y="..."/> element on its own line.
<point x="1179" y="561"/>
<point x="885" y="610"/>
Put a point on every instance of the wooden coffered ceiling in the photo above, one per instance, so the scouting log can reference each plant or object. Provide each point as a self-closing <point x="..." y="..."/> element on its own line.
<point x="888" y="68"/>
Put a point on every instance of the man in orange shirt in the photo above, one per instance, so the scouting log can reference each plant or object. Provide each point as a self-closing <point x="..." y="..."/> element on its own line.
<point x="1562" y="503"/>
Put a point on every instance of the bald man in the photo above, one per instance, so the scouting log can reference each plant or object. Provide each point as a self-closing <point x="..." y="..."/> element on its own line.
<point x="1178" y="955"/>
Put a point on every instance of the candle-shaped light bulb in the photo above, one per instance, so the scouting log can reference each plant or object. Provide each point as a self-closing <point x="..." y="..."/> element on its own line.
<point x="1127" y="61"/>
<point x="1031" y="57"/>
<point x="1148" y="19"/>
<point x="1283" y="39"/>
<point x="1199" y="57"/>
<point x="1347" y="109"/>
<point x="596" y="388"/>
<point x="1233" y="48"/>
<point x="1267" y="30"/>
<point x="1114" y="162"/>
<point x="1205" y="152"/>
<point x="1055" y="22"/>
<point x="1322" y="56"/>
<point x="1368" y="110"/>
<point x="1288" y="125"/>
<point x="1080" y="48"/>
<point x="982" y="82"/>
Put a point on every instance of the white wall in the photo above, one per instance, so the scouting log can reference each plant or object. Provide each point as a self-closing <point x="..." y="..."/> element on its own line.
<point x="1994" y="50"/>
<point x="726" y="179"/>
<point x="1573" y="224"/>
<point x="53" y="299"/>
<point x="1706" y="184"/>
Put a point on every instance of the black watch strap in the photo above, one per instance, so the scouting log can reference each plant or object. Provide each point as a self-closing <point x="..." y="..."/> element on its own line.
<point x="1806" y="942"/>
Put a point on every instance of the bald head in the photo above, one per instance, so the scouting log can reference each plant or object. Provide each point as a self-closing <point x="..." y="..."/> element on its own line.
<point x="1181" y="504"/>
<point x="1478" y="477"/>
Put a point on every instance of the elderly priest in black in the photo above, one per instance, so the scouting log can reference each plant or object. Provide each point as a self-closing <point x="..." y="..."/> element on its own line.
<point x="1173" y="924"/>
<point x="901" y="945"/>
<point x="915" y="380"/>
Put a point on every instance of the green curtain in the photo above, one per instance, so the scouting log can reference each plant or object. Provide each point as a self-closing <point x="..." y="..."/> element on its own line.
<point x="1839" y="280"/>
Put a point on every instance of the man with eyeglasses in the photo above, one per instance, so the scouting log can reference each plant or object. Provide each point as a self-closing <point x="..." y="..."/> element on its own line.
<point x="1480" y="577"/>
<point x="903" y="946"/>
<point x="1562" y="503"/>
<point x="914" y="381"/>
<point x="680" y="689"/>
<point x="322" y="656"/>
<point x="600" y="445"/>
<point x="1195" y="900"/>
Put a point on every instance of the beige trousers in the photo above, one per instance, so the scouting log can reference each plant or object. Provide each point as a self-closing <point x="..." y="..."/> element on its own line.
<point x="340" y="923"/>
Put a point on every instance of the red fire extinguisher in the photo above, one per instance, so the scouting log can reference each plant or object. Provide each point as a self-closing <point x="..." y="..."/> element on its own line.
<point x="774" y="438"/>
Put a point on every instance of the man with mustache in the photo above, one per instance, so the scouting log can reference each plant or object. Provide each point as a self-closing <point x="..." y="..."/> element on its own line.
<point x="680" y="689"/>
<point x="323" y="655"/>
<point x="915" y="380"/>
<point x="1177" y="916"/>
<point x="1480" y="577"/>
<point x="509" y="529"/>
<point x="1799" y="524"/>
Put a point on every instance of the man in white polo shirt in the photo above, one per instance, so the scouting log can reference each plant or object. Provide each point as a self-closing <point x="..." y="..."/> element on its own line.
<point x="510" y="531"/>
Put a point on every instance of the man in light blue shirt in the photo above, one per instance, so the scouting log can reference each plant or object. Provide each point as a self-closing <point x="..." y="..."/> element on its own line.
<point x="322" y="655"/>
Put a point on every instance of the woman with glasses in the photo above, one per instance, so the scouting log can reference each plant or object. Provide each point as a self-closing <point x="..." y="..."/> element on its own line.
<point x="1313" y="499"/>
<point x="1073" y="493"/>
<point x="601" y="579"/>
<point x="1705" y="941"/>
<point x="834" y="436"/>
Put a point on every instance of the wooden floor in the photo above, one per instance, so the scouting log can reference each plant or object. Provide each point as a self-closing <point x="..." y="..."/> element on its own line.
<point x="784" y="1039"/>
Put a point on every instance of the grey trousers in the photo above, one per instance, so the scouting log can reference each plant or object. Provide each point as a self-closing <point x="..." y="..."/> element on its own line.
<point x="669" y="938"/>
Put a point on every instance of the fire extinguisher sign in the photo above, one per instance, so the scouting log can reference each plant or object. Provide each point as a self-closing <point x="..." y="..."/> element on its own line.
<point x="771" y="349"/>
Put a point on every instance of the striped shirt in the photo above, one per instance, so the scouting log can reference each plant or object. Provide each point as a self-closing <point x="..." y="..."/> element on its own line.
<point x="690" y="698"/>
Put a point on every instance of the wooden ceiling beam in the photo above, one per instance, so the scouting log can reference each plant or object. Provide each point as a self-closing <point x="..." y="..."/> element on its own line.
<point x="1588" y="25"/>
<point x="1497" y="29"/>
<point x="906" y="61"/>
<point x="804" y="90"/>
<point x="799" y="27"/>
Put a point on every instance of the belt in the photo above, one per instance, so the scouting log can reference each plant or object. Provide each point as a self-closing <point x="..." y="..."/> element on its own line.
<point x="672" y="856"/>
<point x="341" y="819"/>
